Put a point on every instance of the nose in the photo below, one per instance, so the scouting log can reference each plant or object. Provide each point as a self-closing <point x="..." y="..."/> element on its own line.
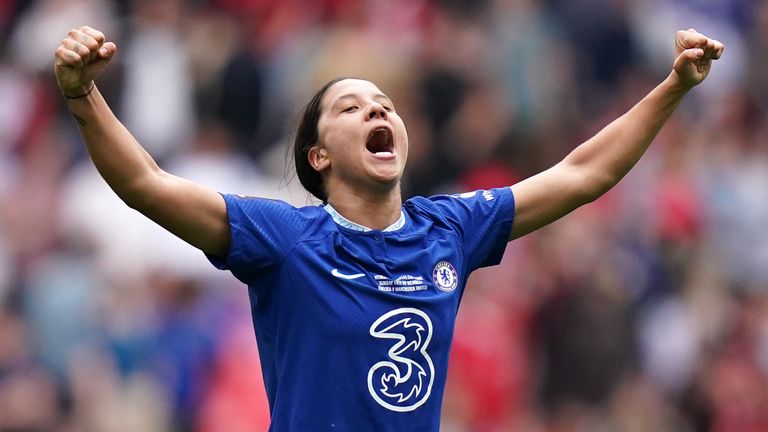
<point x="376" y="111"/>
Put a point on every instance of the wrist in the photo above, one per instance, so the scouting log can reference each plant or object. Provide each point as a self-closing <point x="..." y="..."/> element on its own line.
<point x="79" y="92"/>
<point x="676" y="85"/>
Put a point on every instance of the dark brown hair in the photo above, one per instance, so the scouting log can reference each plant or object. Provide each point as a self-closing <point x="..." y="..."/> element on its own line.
<point x="306" y="137"/>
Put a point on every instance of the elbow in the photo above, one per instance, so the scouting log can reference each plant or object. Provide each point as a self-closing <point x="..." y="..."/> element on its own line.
<point x="139" y="193"/>
<point x="136" y="201"/>
<point x="593" y="185"/>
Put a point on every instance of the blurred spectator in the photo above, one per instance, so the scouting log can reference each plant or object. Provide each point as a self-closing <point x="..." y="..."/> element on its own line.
<point x="235" y="396"/>
<point x="46" y="22"/>
<point x="158" y="99"/>
<point x="27" y="390"/>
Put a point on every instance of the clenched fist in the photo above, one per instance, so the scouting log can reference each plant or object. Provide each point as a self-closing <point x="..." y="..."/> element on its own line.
<point x="80" y="59"/>
<point x="694" y="53"/>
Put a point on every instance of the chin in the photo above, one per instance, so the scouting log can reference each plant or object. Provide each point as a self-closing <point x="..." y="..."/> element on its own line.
<point x="386" y="178"/>
<point x="386" y="182"/>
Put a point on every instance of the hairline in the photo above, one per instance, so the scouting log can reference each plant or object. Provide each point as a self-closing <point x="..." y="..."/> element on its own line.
<point x="322" y="107"/>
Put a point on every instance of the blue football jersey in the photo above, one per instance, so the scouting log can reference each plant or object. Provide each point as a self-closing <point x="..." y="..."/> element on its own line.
<point x="353" y="325"/>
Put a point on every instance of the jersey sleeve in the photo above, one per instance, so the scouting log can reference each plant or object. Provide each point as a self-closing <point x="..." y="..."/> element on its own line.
<point x="483" y="221"/>
<point x="262" y="232"/>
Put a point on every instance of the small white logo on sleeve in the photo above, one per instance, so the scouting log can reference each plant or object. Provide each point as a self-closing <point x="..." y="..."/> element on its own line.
<point x="341" y="275"/>
<point x="488" y="195"/>
<point x="445" y="277"/>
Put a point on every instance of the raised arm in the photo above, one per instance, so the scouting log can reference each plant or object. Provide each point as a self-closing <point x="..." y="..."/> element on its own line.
<point x="194" y="213"/>
<point x="597" y="165"/>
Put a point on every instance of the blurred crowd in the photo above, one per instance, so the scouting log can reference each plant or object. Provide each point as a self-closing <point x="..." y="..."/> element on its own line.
<point x="644" y="311"/>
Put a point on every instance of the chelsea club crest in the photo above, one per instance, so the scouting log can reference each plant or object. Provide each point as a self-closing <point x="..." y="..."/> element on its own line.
<point x="445" y="277"/>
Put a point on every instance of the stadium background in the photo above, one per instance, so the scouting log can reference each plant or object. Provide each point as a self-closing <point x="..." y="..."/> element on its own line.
<point x="645" y="311"/>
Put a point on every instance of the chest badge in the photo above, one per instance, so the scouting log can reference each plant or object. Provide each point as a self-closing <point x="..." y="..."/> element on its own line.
<point x="445" y="277"/>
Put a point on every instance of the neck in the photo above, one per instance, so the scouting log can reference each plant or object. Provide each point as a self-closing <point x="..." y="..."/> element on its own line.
<point x="373" y="210"/>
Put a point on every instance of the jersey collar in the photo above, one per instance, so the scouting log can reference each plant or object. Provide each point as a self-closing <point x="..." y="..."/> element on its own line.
<point x="346" y="223"/>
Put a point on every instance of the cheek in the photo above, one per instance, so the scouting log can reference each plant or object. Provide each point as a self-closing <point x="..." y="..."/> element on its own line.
<point x="333" y="129"/>
<point x="342" y="144"/>
<point x="348" y="136"/>
<point x="404" y="134"/>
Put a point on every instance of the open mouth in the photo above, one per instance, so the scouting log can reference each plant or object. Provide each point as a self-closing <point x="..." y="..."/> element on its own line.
<point x="381" y="142"/>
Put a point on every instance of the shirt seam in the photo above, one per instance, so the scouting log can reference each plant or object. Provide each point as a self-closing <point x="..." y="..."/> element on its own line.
<point x="465" y="271"/>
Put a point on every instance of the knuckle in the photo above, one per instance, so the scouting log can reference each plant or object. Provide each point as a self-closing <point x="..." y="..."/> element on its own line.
<point x="80" y="49"/>
<point x="91" y="43"/>
<point x="92" y="32"/>
<point x="87" y="30"/>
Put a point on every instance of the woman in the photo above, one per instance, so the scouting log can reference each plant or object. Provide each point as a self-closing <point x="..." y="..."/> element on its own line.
<point x="354" y="302"/>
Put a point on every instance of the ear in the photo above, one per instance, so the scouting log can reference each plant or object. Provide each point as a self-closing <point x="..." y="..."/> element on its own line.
<point x="318" y="158"/>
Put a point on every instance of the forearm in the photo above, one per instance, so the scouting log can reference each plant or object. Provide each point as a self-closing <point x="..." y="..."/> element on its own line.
<point x="119" y="158"/>
<point x="598" y="164"/>
<point x="605" y="158"/>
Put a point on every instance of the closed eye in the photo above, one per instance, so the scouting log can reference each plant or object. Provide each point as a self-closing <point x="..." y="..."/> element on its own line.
<point x="349" y="109"/>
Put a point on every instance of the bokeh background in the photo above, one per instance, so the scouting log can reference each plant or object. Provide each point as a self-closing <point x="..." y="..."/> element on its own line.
<point x="645" y="311"/>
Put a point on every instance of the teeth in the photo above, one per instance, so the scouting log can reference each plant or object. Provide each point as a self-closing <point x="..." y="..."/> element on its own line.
<point x="383" y="153"/>
<point x="376" y="132"/>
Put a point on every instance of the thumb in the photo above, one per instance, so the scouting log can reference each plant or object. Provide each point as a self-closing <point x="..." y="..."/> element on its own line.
<point x="107" y="51"/>
<point x="688" y="56"/>
<point x="97" y="65"/>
